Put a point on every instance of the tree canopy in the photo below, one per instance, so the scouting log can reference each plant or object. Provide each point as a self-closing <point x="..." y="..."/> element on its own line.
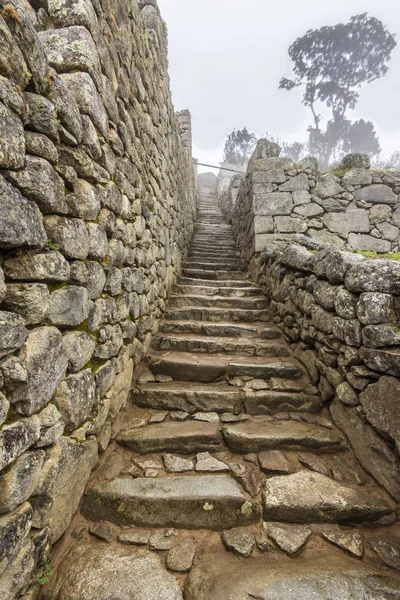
<point x="238" y="146"/>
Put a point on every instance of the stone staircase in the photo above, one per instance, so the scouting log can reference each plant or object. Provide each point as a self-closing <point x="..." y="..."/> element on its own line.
<point x="226" y="445"/>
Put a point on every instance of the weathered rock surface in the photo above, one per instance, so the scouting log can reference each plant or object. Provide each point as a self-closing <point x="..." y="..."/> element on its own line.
<point x="221" y="577"/>
<point x="19" y="481"/>
<point x="105" y="573"/>
<point x="204" y="501"/>
<point x="313" y="498"/>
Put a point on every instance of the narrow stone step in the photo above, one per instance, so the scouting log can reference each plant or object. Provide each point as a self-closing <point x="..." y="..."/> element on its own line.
<point x="265" y="402"/>
<point x="205" y="368"/>
<point x="172" y="436"/>
<point x="229" y="292"/>
<point x="260" y="435"/>
<point x="189" y="397"/>
<point x="212" y="283"/>
<point x="253" y="303"/>
<point x="221" y="265"/>
<point x="194" y="502"/>
<point x="211" y="274"/>
<point x="308" y="497"/>
<point x="221" y="329"/>
<point x="203" y="313"/>
<point x="192" y="343"/>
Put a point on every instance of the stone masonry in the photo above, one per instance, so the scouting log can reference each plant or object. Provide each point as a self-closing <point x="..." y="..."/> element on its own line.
<point x="97" y="205"/>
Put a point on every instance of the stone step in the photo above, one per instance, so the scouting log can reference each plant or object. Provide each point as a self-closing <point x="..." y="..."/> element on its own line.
<point x="189" y="397"/>
<point x="308" y="497"/>
<point x="214" y="274"/>
<point x="259" y="435"/>
<point x="204" y="313"/>
<point x="172" y="436"/>
<point x="213" y="502"/>
<point x="203" y="290"/>
<point x="204" y="368"/>
<point x="253" y="303"/>
<point x="221" y="329"/>
<point x="222" y="265"/>
<point x="212" y="283"/>
<point x="192" y="343"/>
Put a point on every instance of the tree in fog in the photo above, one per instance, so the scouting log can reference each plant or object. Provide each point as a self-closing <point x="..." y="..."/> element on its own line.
<point x="330" y="65"/>
<point x="239" y="146"/>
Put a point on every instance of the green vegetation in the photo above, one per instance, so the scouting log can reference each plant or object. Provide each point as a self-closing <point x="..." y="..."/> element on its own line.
<point x="46" y="574"/>
<point x="52" y="245"/>
<point x="375" y="255"/>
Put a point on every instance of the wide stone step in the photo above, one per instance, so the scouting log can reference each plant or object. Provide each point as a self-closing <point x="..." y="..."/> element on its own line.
<point x="203" y="313"/>
<point x="221" y="265"/>
<point x="228" y="292"/>
<point x="212" y="283"/>
<point x="308" y="497"/>
<point x="204" y="368"/>
<point x="193" y="343"/>
<point x="172" y="436"/>
<point x="214" y="274"/>
<point x="259" y="435"/>
<point x="221" y="329"/>
<point x="328" y="577"/>
<point x="193" y="502"/>
<point x="253" y="303"/>
<point x="189" y="397"/>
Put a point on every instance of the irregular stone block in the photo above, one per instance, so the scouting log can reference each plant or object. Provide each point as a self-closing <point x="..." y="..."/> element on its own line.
<point x="379" y="336"/>
<point x="75" y="397"/>
<point x="65" y="475"/>
<point x="69" y="306"/>
<point x="380" y="402"/>
<point x="21" y="222"/>
<point x="377" y="194"/>
<point x="13" y="332"/>
<point x="16" y="438"/>
<point x="311" y="578"/>
<point x="355" y="220"/>
<point x="375" y="276"/>
<point x="70" y="234"/>
<point x="79" y="347"/>
<point x="30" y="300"/>
<point x="388" y="231"/>
<point x="17" y="577"/>
<point x="87" y="203"/>
<point x="40" y="145"/>
<point x="44" y="359"/>
<point x="19" y="481"/>
<point x="368" y="243"/>
<point x="357" y="177"/>
<point x="290" y="224"/>
<point x="14" y="529"/>
<point x="266" y="402"/>
<point x="45" y="266"/>
<point x="67" y="109"/>
<point x="328" y="186"/>
<point x="12" y="61"/>
<point x="370" y="449"/>
<point x="289" y="539"/>
<point x="42" y="115"/>
<point x="345" y="303"/>
<point x="240" y="540"/>
<point x="129" y="574"/>
<point x="382" y="360"/>
<point x="12" y="142"/>
<point x="308" y="497"/>
<point x="298" y="183"/>
<point x="374" y="308"/>
<point x="197" y="502"/>
<point x="86" y="96"/>
<point x="333" y="264"/>
<point x="348" y="331"/>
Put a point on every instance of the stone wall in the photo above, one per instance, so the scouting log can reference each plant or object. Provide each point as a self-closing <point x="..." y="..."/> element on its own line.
<point x="97" y="205"/>
<point x="339" y="310"/>
<point x="355" y="209"/>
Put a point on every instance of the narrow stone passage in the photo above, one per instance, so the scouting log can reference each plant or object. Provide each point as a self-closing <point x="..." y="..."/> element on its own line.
<point x="226" y="447"/>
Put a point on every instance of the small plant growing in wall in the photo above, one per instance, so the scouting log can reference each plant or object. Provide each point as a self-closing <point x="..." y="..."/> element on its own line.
<point x="46" y="574"/>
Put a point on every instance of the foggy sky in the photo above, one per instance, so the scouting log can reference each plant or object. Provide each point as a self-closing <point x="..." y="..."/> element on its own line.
<point x="227" y="57"/>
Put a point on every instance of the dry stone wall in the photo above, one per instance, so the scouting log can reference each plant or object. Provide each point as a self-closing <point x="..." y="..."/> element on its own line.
<point x="97" y="205"/>
<point x="356" y="209"/>
<point x="339" y="310"/>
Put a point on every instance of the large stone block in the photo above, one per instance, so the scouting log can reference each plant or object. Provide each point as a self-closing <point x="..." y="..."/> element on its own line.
<point x="21" y="222"/>
<point x="19" y="481"/>
<point x="70" y="234"/>
<point x="79" y="347"/>
<point x="44" y="359"/>
<point x="86" y="96"/>
<point x="12" y="61"/>
<point x="377" y="194"/>
<point x="368" y="243"/>
<point x="14" y="529"/>
<point x="30" y="300"/>
<point x="380" y="402"/>
<point x="75" y="397"/>
<point x="65" y="475"/>
<point x="375" y="276"/>
<point x="328" y="186"/>
<point x="129" y="575"/>
<point x="45" y="266"/>
<point x="271" y="203"/>
<point x="69" y="306"/>
<point x="374" y="308"/>
<point x="16" y="438"/>
<point x="42" y="116"/>
<point x="13" y="332"/>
